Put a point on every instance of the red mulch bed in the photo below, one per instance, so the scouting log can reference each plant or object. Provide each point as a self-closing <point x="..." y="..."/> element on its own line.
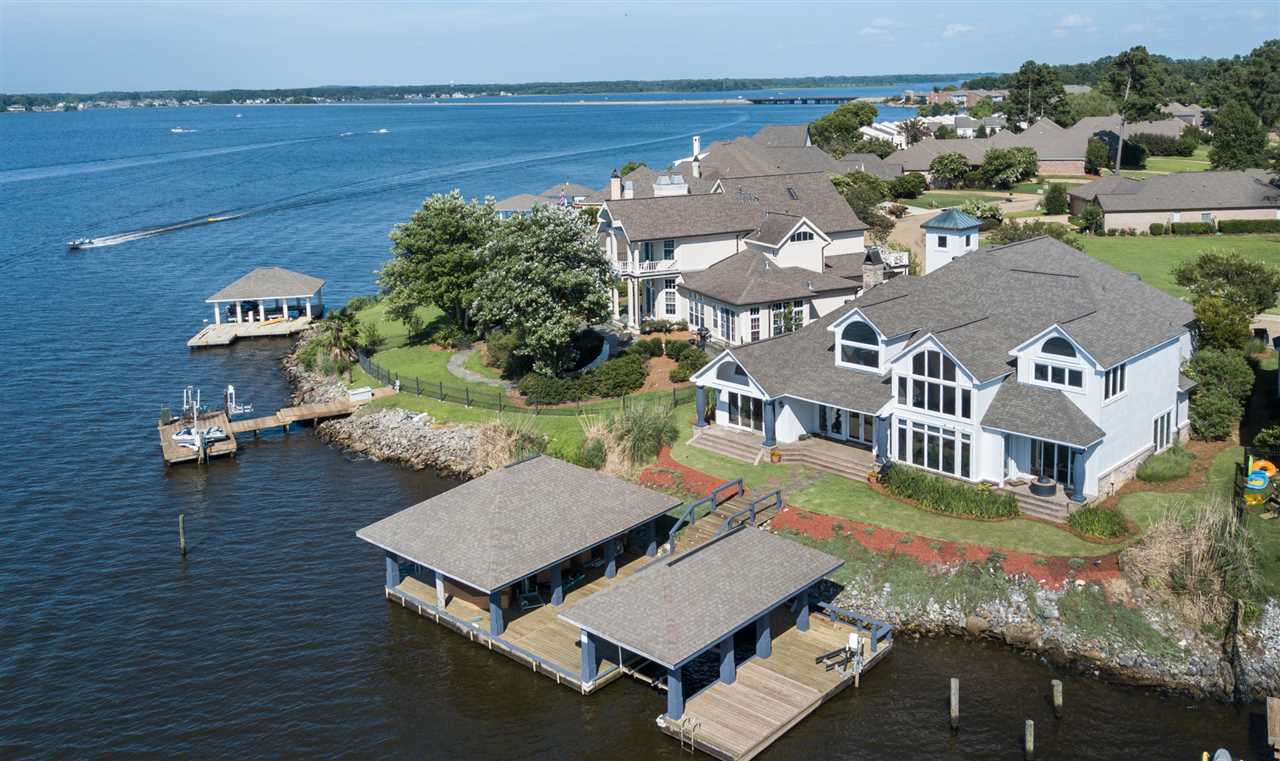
<point x="1052" y="574"/>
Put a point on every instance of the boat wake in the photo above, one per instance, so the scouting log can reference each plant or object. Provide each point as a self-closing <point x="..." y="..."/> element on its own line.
<point x="116" y="239"/>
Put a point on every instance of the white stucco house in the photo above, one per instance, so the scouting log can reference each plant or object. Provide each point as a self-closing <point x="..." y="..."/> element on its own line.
<point x="753" y="257"/>
<point x="1029" y="361"/>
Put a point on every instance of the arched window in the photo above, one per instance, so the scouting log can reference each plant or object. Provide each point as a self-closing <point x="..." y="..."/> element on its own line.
<point x="859" y="333"/>
<point x="732" y="373"/>
<point x="859" y="345"/>
<point x="1058" y="346"/>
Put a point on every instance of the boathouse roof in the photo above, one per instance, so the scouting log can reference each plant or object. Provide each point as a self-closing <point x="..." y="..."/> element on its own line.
<point x="269" y="283"/>
<point x="515" y="521"/>
<point x="674" y="609"/>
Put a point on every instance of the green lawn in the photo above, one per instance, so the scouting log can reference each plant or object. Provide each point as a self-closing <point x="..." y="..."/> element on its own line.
<point x="1144" y="508"/>
<point x="431" y="366"/>
<point x="1268" y="536"/>
<point x="475" y="363"/>
<point x="939" y="199"/>
<point x="1156" y="165"/>
<point x="394" y="333"/>
<point x="1154" y="256"/>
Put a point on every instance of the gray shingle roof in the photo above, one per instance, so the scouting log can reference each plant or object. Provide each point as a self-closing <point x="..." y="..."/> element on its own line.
<point x="269" y="283"/>
<point x="750" y="277"/>
<point x="1248" y="189"/>
<point x="569" y="189"/>
<point x="1042" y="413"/>
<point x="1050" y="142"/>
<point x="980" y="307"/>
<point x="1114" y="183"/>
<point x="808" y="195"/>
<point x="521" y="202"/>
<point x="782" y="135"/>
<point x="514" y="521"/>
<point x="674" y="609"/>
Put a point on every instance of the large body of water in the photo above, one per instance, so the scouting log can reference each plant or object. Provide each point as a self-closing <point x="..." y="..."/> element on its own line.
<point x="272" y="639"/>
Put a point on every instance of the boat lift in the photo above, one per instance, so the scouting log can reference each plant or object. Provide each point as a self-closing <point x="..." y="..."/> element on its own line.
<point x="233" y="407"/>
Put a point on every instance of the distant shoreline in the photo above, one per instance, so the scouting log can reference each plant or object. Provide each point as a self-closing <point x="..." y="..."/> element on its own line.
<point x="473" y="102"/>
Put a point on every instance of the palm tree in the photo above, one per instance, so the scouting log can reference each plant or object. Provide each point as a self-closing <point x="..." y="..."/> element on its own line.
<point x="342" y="334"/>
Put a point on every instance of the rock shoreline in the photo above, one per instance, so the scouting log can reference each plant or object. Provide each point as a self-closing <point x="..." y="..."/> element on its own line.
<point x="414" y="440"/>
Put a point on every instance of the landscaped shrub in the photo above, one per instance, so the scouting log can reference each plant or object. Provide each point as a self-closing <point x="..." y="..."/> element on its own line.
<point x="691" y="362"/>
<point x="1157" y="228"/>
<point x="1191" y="228"/>
<point x="1055" y="199"/>
<point x="1169" y="465"/>
<point x="592" y="454"/>
<point x="1164" y="145"/>
<point x="1214" y="413"/>
<point x="357" y="303"/>
<point x="542" y="389"/>
<point x="909" y="185"/>
<point x="642" y="429"/>
<point x="677" y="349"/>
<point x="370" y="338"/>
<point x="1215" y="368"/>
<point x="948" y="496"/>
<point x="498" y="350"/>
<point x="1230" y="226"/>
<point x="656" y="326"/>
<point x="647" y="347"/>
<point x="617" y="377"/>
<point x="1268" y="438"/>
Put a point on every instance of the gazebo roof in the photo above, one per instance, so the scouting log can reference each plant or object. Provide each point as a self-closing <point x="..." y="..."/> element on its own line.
<point x="951" y="219"/>
<point x="515" y="521"/>
<point x="269" y="283"/>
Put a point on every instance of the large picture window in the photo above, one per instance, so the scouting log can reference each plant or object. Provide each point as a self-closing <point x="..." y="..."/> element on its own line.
<point x="934" y="386"/>
<point x="935" y="448"/>
<point x="859" y="345"/>
<point x="1114" y="382"/>
<point x="669" y="295"/>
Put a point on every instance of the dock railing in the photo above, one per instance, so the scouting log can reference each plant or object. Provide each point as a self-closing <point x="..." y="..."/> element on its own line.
<point x="747" y="515"/>
<point x="879" y="630"/>
<point x="703" y="507"/>
<point x="497" y="401"/>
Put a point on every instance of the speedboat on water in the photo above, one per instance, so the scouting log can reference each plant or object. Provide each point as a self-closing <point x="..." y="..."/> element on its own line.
<point x="79" y="243"/>
<point x="181" y="131"/>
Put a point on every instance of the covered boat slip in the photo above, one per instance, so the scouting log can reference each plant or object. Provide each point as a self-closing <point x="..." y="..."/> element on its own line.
<point x="700" y="607"/>
<point x="268" y="301"/>
<point x="496" y="558"/>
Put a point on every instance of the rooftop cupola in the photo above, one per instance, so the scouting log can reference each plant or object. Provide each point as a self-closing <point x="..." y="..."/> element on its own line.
<point x="948" y="235"/>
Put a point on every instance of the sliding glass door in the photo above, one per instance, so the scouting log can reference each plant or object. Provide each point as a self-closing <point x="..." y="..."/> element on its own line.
<point x="845" y="425"/>
<point x="746" y="411"/>
<point x="1053" y="461"/>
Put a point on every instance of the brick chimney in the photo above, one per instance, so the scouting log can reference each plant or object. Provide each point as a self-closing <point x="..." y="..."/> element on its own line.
<point x="615" y="186"/>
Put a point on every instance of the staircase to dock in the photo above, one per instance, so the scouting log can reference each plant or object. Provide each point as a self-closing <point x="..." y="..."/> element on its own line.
<point x="707" y="527"/>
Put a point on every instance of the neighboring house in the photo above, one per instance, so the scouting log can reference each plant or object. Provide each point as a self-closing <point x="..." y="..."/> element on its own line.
<point x="1181" y="197"/>
<point x="643" y="182"/>
<point x="564" y="194"/>
<point x="783" y="135"/>
<point x="795" y="221"/>
<point x="1107" y="129"/>
<point x="567" y="193"/>
<point x="748" y="157"/>
<point x="1058" y="151"/>
<point x="948" y="235"/>
<point x="1021" y="361"/>
<point x="1187" y="113"/>
<point x="965" y="98"/>
<point x="519" y="204"/>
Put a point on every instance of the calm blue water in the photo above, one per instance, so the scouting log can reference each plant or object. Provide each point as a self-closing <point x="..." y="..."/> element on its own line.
<point x="272" y="639"/>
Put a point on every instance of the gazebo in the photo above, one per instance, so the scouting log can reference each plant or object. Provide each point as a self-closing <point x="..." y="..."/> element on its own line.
<point x="285" y="289"/>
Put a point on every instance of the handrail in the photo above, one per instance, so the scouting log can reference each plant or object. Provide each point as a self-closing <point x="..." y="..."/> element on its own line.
<point x="879" y="630"/>
<point x="690" y="514"/>
<point x="774" y="497"/>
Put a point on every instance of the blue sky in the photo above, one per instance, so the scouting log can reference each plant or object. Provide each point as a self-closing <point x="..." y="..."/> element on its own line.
<point x="77" y="46"/>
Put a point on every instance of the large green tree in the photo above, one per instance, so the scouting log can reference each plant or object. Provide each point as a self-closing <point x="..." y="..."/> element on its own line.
<point x="948" y="169"/>
<point x="1246" y="285"/>
<point x="1083" y="104"/>
<point x="543" y="277"/>
<point x="1253" y="80"/>
<point x="1239" y="139"/>
<point x="1135" y="81"/>
<point x="433" y="258"/>
<point x="864" y="193"/>
<point x="1005" y="167"/>
<point x="838" y="131"/>
<point x="1035" y="93"/>
<point x="983" y="108"/>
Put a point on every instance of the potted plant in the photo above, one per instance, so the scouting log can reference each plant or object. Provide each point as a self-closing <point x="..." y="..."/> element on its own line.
<point x="775" y="455"/>
<point x="873" y="476"/>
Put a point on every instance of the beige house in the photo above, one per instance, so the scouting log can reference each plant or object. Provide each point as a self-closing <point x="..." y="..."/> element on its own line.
<point x="1182" y="197"/>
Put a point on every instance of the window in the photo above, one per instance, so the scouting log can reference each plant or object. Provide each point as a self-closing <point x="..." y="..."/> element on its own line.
<point x="1056" y="375"/>
<point x="728" y="324"/>
<point x="934" y="448"/>
<point x="1206" y="216"/>
<point x="934" y="386"/>
<point x="797" y="308"/>
<point x="968" y="241"/>
<point x="776" y="311"/>
<point x="1114" y="383"/>
<point x="859" y="345"/>
<point x="647" y="252"/>
<point x="755" y="323"/>
<point x="715" y="321"/>
<point x="1162" y="431"/>
<point x="942" y="241"/>
<point x="801" y="236"/>
<point x="695" y="312"/>
<point x="669" y="295"/>
<point x="1058" y="346"/>
<point x="668" y="250"/>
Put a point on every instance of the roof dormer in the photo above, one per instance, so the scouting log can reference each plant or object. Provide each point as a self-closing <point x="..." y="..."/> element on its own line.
<point x="859" y="344"/>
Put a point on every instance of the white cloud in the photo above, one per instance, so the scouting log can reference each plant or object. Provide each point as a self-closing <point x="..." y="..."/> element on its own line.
<point x="1075" y="20"/>
<point x="877" y="32"/>
<point x="955" y="30"/>
<point x="886" y="23"/>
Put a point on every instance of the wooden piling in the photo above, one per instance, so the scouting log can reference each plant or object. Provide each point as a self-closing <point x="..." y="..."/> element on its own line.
<point x="1029" y="740"/>
<point x="1057" y="698"/>
<point x="955" y="704"/>
<point x="182" y="535"/>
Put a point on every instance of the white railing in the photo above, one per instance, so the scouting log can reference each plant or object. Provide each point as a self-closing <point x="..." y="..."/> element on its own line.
<point x="644" y="266"/>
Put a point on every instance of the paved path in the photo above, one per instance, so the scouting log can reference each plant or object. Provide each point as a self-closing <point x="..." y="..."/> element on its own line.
<point x="456" y="368"/>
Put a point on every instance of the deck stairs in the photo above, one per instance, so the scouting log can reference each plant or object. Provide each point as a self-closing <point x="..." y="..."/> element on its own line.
<point x="705" y="528"/>
<point x="1031" y="506"/>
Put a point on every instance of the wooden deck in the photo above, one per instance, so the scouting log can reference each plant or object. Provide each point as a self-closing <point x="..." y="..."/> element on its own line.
<point x="174" y="453"/>
<point x="221" y="334"/>
<point x="1273" y="725"/>
<point x="540" y="633"/>
<point x="300" y="414"/>
<point x="735" y="722"/>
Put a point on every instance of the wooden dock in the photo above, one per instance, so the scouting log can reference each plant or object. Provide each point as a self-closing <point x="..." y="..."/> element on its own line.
<point x="221" y="334"/>
<point x="1273" y="725"/>
<point x="300" y="414"/>
<point x="175" y="453"/>
<point x="735" y="722"/>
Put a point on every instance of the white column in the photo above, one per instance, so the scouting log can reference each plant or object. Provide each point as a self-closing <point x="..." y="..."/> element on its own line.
<point x="239" y="314"/>
<point x="217" y="314"/>
<point x="613" y="300"/>
<point x="262" y="311"/>
<point x="308" y="307"/>
<point x="632" y="306"/>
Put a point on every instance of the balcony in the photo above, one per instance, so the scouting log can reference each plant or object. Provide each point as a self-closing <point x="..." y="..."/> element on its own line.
<point x="645" y="266"/>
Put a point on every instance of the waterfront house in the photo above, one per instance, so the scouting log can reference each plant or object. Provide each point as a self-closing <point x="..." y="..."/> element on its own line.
<point x="1024" y="361"/>
<point x="520" y="204"/>
<point x="1209" y="197"/>
<point x="790" y="229"/>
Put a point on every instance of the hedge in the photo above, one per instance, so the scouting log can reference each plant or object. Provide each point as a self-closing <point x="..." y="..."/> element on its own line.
<point x="691" y="361"/>
<point x="1157" y="228"/>
<point x="1191" y="228"/>
<point x="1249" y="226"/>
<point x="617" y="377"/>
<point x="948" y="496"/>
<point x="1098" y="522"/>
<point x="547" y="390"/>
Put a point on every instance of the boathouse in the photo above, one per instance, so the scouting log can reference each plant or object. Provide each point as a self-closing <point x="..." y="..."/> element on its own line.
<point x="268" y="301"/>
<point x="496" y="557"/>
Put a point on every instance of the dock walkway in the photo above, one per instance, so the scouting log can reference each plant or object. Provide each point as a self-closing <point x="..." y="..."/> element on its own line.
<point x="1273" y="725"/>
<point x="735" y="722"/>
<point x="174" y="453"/>
<point x="222" y="334"/>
